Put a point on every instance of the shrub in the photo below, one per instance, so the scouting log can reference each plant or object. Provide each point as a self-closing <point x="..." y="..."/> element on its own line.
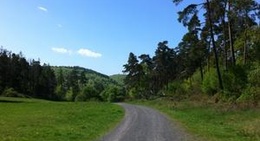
<point x="60" y="92"/>
<point x="10" y="92"/>
<point x="254" y="77"/>
<point x="252" y="92"/>
<point x="113" y="94"/>
<point x="210" y="82"/>
<point x="177" y="90"/>
<point x="88" y="93"/>
<point x="234" y="81"/>
<point x="80" y="98"/>
<point x="69" y="95"/>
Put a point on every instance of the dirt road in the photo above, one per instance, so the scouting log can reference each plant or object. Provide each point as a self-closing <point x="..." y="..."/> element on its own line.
<point x="144" y="124"/>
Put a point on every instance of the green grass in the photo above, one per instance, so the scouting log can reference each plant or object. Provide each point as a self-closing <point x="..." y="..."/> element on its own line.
<point x="212" y="122"/>
<point x="30" y="119"/>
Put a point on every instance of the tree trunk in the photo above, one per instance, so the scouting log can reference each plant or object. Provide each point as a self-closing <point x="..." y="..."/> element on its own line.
<point x="201" y="71"/>
<point x="208" y="56"/>
<point x="245" y="52"/>
<point x="231" y="42"/>
<point x="225" y="37"/>
<point x="245" y="43"/>
<point x="225" y="45"/>
<point x="214" y="46"/>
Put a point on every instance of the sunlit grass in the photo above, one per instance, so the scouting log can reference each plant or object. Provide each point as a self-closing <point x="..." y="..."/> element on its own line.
<point x="212" y="122"/>
<point x="27" y="119"/>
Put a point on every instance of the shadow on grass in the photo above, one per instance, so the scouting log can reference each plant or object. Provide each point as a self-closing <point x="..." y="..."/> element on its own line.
<point x="10" y="101"/>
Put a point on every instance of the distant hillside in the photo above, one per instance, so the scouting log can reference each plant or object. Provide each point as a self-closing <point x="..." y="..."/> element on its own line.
<point x="119" y="78"/>
<point x="90" y="74"/>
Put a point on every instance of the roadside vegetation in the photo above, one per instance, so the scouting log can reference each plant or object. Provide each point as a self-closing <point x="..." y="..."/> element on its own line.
<point x="210" y="81"/>
<point x="33" y="119"/>
<point x="209" y="59"/>
<point x="208" y="121"/>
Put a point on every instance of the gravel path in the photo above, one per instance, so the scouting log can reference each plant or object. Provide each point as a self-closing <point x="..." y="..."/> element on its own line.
<point x="144" y="124"/>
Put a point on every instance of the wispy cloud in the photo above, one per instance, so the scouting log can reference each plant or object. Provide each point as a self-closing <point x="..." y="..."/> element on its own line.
<point x="88" y="53"/>
<point x="83" y="52"/>
<point x="42" y="8"/>
<point x="61" y="50"/>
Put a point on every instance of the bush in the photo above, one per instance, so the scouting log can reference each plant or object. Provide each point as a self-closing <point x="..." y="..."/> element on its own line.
<point x="60" y="92"/>
<point x="252" y="92"/>
<point x="89" y="92"/>
<point x="177" y="90"/>
<point x="254" y="77"/>
<point x="210" y="82"/>
<point x="113" y="94"/>
<point x="80" y="98"/>
<point x="234" y="82"/>
<point x="184" y="89"/>
<point x="69" y="95"/>
<point x="10" y="92"/>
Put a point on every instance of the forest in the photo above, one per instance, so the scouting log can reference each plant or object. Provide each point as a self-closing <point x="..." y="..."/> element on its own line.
<point x="219" y="56"/>
<point x="22" y="78"/>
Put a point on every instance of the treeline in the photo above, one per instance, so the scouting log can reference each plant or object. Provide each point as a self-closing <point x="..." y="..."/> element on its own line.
<point x="22" y="78"/>
<point x="218" y="56"/>
<point x="80" y="84"/>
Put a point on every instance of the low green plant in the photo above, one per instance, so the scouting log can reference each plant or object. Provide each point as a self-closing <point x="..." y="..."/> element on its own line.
<point x="176" y="90"/>
<point x="30" y="120"/>
<point x="210" y="82"/>
<point x="234" y="81"/>
<point x="211" y="122"/>
<point x="69" y="95"/>
<point x="251" y="93"/>
<point x="10" y="92"/>
<point x="113" y="94"/>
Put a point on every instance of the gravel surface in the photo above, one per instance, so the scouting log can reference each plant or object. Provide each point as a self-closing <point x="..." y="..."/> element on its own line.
<point x="144" y="124"/>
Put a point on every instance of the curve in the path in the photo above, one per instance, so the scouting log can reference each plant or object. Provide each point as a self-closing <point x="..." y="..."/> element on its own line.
<point x="144" y="124"/>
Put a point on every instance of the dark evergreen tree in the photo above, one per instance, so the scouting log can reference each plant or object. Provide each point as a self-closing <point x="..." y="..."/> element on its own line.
<point x="164" y="64"/>
<point x="134" y="74"/>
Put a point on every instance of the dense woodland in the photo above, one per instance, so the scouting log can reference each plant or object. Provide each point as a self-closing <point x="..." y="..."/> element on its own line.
<point x="218" y="56"/>
<point x="22" y="78"/>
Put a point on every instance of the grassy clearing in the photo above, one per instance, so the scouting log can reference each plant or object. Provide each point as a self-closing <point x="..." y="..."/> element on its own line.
<point x="29" y="119"/>
<point x="212" y="122"/>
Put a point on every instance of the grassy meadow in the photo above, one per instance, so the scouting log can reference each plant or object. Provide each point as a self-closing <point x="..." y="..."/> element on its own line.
<point x="212" y="122"/>
<point x="29" y="119"/>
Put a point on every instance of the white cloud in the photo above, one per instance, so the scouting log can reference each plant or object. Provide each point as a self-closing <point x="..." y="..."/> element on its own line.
<point x="61" y="50"/>
<point x="88" y="53"/>
<point x="42" y="8"/>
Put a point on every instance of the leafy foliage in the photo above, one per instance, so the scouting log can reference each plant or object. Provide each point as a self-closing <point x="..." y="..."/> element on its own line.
<point x="19" y="77"/>
<point x="210" y="82"/>
<point x="215" y="56"/>
<point x="119" y="78"/>
<point x="10" y="92"/>
<point x="113" y="94"/>
<point x="82" y="84"/>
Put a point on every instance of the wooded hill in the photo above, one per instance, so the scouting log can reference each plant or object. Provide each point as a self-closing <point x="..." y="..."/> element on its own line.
<point x="22" y="78"/>
<point x="81" y="84"/>
<point x="119" y="78"/>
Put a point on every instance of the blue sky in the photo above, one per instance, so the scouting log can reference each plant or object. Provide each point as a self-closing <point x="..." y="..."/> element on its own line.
<point x="95" y="34"/>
